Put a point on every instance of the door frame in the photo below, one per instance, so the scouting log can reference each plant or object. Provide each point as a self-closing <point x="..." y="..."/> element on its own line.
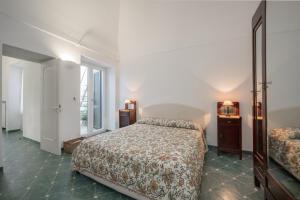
<point x="90" y="80"/>
<point x="260" y="160"/>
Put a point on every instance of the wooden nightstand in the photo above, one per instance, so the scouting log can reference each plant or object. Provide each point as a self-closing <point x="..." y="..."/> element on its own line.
<point x="127" y="117"/>
<point x="230" y="131"/>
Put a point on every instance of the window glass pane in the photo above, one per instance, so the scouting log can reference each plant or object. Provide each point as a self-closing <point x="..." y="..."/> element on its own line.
<point x="97" y="76"/>
<point x="84" y="99"/>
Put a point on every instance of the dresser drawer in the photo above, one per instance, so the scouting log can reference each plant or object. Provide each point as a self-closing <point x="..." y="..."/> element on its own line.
<point x="124" y="113"/>
<point x="228" y="122"/>
<point x="127" y="117"/>
<point x="124" y="121"/>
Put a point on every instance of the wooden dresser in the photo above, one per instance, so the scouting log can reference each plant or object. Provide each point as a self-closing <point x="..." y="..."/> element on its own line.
<point x="127" y="117"/>
<point x="229" y="131"/>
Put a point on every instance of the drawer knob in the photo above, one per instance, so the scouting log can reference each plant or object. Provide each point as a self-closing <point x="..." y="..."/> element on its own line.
<point x="228" y="122"/>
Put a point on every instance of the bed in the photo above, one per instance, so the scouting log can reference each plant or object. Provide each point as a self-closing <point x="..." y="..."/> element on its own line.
<point x="156" y="158"/>
<point x="284" y="148"/>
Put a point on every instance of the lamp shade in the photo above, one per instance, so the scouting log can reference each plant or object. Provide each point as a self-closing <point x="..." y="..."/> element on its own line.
<point x="127" y="101"/>
<point x="227" y="103"/>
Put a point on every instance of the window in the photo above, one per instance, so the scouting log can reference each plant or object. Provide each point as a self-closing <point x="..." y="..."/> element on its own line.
<point x="91" y="99"/>
<point x="97" y="101"/>
<point x="84" y="100"/>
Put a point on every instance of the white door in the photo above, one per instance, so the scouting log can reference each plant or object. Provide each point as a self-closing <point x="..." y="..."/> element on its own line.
<point x="3" y="114"/>
<point x="50" y="139"/>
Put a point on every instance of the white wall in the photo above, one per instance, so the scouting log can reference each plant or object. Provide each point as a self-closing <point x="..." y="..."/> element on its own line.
<point x="3" y="115"/>
<point x="14" y="90"/>
<point x="111" y="121"/>
<point x="32" y="88"/>
<point x="29" y="119"/>
<point x="283" y="58"/>
<point x="194" y="53"/>
<point x="4" y="87"/>
<point x="69" y="98"/>
<point x="1" y="145"/>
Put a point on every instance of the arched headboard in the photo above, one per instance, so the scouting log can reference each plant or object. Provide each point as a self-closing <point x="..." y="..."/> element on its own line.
<point x="285" y="117"/>
<point x="176" y="111"/>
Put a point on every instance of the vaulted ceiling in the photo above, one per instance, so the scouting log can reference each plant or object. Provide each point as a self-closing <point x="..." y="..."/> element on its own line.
<point x="93" y="23"/>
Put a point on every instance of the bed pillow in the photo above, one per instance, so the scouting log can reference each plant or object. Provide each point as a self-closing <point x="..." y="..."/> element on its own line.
<point x="295" y="135"/>
<point x="169" y="123"/>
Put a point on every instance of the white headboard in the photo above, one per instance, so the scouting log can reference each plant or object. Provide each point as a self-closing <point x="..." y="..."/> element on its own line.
<point x="176" y="111"/>
<point x="285" y="117"/>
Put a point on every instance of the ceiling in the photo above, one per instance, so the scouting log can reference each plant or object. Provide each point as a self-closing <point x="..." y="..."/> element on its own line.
<point x="92" y="23"/>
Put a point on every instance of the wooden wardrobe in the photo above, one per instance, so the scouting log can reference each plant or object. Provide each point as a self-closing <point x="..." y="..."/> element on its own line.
<point x="269" y="44"/>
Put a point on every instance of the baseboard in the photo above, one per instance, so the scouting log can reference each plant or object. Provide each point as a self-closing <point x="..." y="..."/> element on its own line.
<point x="14" y="130"/>
<point x="93" y="134"/>
<point x="215" y="147"/>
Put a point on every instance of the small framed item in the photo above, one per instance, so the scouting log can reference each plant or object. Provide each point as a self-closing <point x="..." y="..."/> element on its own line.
<point x="228" y="108"/>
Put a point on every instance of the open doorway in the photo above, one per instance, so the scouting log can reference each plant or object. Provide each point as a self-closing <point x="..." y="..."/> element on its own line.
<point x="21" y="86"/>
<point x="27" y="85"/>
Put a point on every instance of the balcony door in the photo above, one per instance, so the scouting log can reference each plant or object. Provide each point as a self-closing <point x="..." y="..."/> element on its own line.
<point x="91" y="100"/>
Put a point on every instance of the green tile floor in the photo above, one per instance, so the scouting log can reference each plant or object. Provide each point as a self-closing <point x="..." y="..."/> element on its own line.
<point x="32" y="174"/>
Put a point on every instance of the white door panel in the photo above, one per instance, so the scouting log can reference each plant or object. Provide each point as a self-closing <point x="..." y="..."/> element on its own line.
<point x="3" y="114"/>
<point x="50" y="140"/>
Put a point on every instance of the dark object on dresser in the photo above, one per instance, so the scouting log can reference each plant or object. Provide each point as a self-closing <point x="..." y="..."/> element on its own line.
<point x="230" y="131"/>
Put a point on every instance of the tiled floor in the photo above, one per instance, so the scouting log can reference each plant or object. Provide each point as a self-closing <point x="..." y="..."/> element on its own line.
<point x="285" y="178"/>
<point x="32" y="174"/>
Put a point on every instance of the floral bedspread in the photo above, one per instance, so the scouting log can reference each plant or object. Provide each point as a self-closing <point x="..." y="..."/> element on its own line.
<point x="155" y="161"/>
<point x="284" y="147"/>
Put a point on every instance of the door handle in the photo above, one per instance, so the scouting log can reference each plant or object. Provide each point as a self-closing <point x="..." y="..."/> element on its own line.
<point x="267" y="83"/>
<point x="58" y="108"/>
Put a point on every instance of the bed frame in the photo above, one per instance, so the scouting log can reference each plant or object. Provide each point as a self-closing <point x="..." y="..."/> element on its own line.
<point x="114" y="186"/>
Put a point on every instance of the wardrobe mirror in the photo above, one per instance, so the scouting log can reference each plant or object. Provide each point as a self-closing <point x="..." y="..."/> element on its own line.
<point x="283" y="93"/>
<point x="259" y="97"/>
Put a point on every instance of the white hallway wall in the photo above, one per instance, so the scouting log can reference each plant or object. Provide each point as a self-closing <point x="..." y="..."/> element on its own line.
<point x="32" y="100"/>
<point x="29" y="119"/>
<point x="1" y="145"/>
<point x="12" y="89"/>
<point x="193" y="53"/>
